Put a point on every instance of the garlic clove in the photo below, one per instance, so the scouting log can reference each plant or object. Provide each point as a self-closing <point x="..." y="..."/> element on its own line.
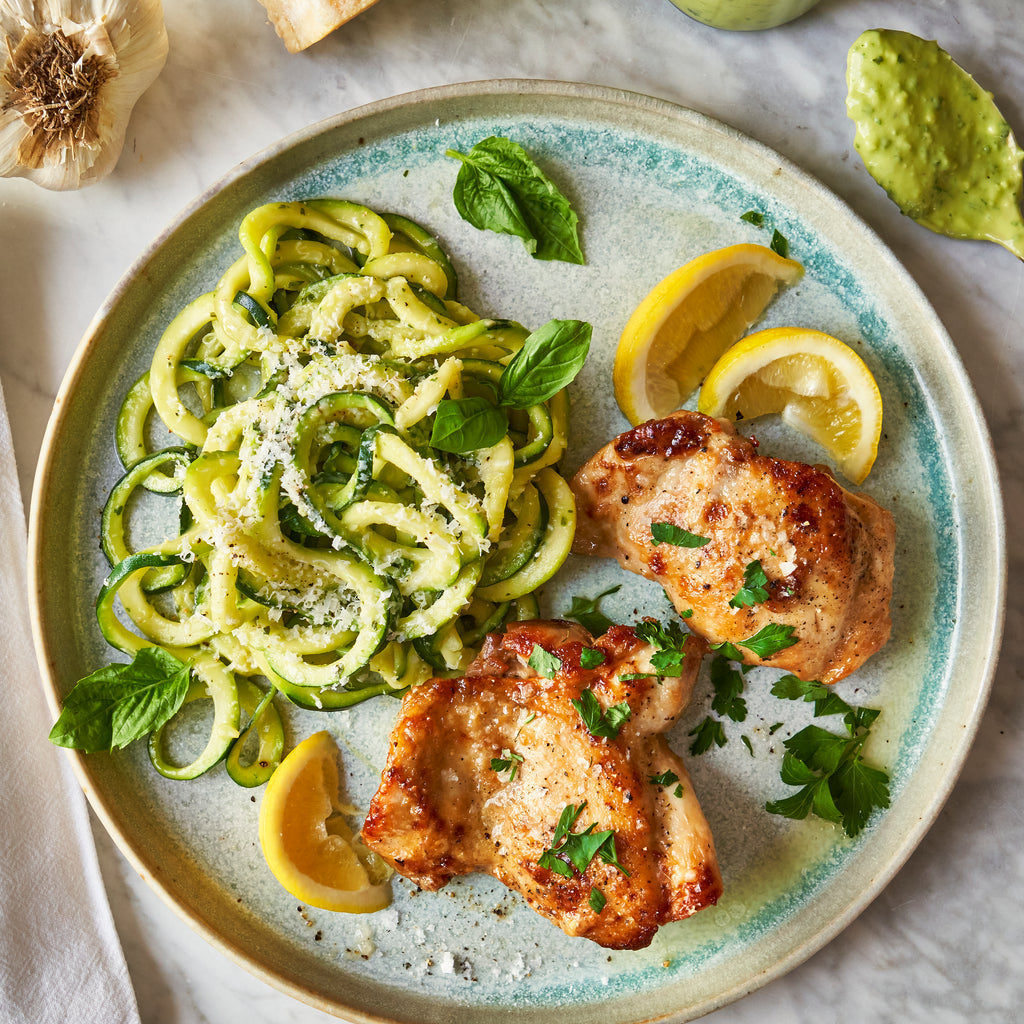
<point x="70" y="73"/>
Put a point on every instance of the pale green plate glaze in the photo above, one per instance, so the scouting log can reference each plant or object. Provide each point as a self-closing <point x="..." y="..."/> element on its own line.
<point x="655" y="185"/>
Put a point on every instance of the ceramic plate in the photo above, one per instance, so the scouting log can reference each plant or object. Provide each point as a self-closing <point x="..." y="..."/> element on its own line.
<point x="655" y="185"/>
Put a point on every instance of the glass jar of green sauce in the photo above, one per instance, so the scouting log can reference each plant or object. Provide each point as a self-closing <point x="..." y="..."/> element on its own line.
<point x="744" y="15"/>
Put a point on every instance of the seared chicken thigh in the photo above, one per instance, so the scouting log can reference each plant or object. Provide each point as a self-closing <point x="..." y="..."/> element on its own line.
<point x="827" y="554"/>
<point x="482" y="768"/>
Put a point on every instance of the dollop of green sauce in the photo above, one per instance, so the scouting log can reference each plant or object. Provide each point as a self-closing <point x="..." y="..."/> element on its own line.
<point x="744" y="15"/>
<point x="934" y="139"/>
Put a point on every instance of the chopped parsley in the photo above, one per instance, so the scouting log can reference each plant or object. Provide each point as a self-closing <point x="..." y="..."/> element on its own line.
<point x="669" y="533"/>
<point x="530" y="718"/>
<point x="780" y="244"/>
<point x="666" y="779"/>
<point x="597" y="899"/>
<point x="834" y="781"/>
<point x="508" y="762"/>
<point x="727" y="702"/>
<point x="825" y="700"/>
<point x="710" y="732"/>
<point x="587" y="612"/>
<point x="544" y="662"/>
<point x="753" y="590"/>
<point x="603" y="724"/>
<point x="764" y="643"/>
<point x="591" y="657"/>
<point x="669" y="640"/>
<point x="728" y="683"/>
<point x="575" y="850"/>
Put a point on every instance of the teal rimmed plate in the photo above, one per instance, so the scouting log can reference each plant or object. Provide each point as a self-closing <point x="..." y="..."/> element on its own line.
<point x="655" y="185"/>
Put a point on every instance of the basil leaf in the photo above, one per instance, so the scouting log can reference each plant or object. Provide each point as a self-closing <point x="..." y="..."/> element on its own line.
<point x="544" y="662"/>
<point x="500" y="188"/>
<point x="466" y="424"/>
<point x="120" y="703"/>
<point x="486" y="202"/>
<point x="548" y="361"/>
<point x="669" y="533"/>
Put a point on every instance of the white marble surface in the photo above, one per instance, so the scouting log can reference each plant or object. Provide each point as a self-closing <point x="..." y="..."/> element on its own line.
<point x="941" y="943"/>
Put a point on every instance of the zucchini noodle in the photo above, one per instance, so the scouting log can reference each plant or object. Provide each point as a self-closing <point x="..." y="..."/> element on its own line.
<point x="323" y="544"/>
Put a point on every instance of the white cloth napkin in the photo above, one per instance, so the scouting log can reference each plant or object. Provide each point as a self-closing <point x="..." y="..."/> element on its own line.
<point x="60" y="957"/>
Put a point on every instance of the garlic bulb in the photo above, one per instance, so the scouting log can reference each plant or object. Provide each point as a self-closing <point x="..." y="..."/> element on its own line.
<point x="70" y="73"/>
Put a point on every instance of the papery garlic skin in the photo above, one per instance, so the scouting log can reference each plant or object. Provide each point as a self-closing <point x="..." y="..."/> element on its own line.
<point x="91" y="60"/>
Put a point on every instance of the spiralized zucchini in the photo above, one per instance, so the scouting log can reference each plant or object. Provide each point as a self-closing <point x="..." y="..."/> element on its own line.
<point x="323" y="543"/>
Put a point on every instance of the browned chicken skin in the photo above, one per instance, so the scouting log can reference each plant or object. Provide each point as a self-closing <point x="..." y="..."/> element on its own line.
<point x="442" y="810"/>
<point x="827" y="553"/>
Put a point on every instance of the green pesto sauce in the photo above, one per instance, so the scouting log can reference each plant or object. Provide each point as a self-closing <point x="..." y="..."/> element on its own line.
<point x="744" y="15"/>
<point x="934" y="140"/>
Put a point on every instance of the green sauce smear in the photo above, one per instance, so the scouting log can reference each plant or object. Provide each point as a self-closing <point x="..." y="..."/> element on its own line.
<point x="934" y="139"/>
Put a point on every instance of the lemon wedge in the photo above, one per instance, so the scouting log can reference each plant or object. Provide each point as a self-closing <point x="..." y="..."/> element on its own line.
<point x="308" y="844"/>
<point x="817" y="383"/>
<point x="688" y="320"/>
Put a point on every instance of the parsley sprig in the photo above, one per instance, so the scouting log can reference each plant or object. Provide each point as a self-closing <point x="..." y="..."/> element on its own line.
<point x="666" y="779"/>
<point x="825" y="700"/>
<point x="669" y="641"/>
<point x="709" y="733"/>
<point x="753" y="590"/>
<point x="544" y="662"/>
<point x="571" y="851"/>
<point x="728" y="683"/>
<point x="587" y="612"/>
<point x="767" y="641"/>
<point x="600" y="723"/>
<point x="835" y="782"/>
<point x="508" y="762"/>
<point x="669" y="533"/>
